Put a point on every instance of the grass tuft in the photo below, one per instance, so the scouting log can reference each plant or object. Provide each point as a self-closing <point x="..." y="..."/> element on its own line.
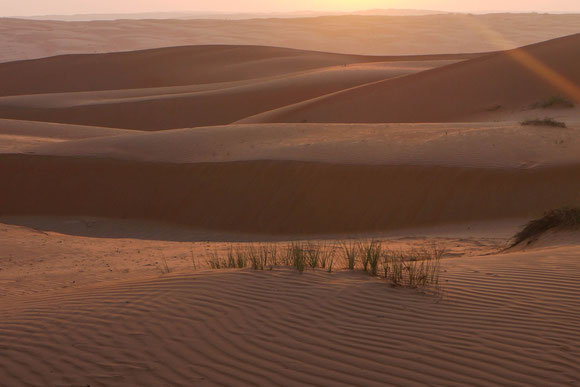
<point x="350" y="251"/>
<point x="297" y="256"/>
<point x="555" y="101"/>
<point x="544" y="122"/>
<point x="566" y="218"/>
<point x="415" y="267"/>
<point x="412" y="268"/>
<point x="371" y="255"/>
<point x="313" y="254"/>
<point x="214" y="261"/>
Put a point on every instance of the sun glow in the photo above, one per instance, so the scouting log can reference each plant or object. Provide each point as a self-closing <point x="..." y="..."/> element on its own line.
<point x="531" y="63"/>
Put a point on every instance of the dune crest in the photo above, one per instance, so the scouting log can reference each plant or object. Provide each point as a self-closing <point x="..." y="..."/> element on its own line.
<point x="474" y="90"/>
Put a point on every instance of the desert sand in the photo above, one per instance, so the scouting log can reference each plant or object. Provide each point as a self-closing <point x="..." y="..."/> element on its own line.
<point x="88" y="310"/>
<point x="119" y="188"/>
<point x="363" y="35"/>
<point x="479" y="89"/>
<point x="199" y="93"/>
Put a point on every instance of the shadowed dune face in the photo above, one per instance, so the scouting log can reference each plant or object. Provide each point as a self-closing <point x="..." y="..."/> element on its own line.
<point x="299" y="179"/>
<point x="174" y="66"/>
<point x="477" y="89"/>
<point x="218" y="85"/>
<point x="206" y="104"/>
<point x="278" y="197"/>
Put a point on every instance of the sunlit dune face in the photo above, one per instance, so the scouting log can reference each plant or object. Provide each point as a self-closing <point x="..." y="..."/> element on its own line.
<point x="531" y="63"/>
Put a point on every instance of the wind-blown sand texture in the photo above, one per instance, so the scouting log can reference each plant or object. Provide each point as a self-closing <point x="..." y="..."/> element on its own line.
<point x="118" y="187"/>
<point x="364" y="35"/>
<point x="508" y="319"/>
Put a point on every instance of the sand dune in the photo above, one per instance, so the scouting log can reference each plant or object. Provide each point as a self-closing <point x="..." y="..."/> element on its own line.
<point x="107" y="234"/>
<point x="302" y="190"/>
<point x="474" y="145"/>
<point x="173" y="66"/>
<point x="155" y="108"/>
<point x="263" y="328"/>
<point x="364" y="35"/>
<point x="508" y="81"/>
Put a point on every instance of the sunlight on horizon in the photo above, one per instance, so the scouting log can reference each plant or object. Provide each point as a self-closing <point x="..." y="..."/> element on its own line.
<point x="528" y="61"/>
<point x="42" y="7"/>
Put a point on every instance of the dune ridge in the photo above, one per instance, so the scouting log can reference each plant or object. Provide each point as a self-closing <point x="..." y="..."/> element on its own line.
<point x="189" y="65"/>
<point x="150" y="108"/>
<point x="279" y="196"/>
<point x="19" y="136"/>
<point x="476" y="89"/>
<point x="473" y="145"/>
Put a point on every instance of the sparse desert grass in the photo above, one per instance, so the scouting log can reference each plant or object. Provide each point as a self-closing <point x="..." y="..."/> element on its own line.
<point x="417" y="267"/>
<point x="555" y="101"/>
<point x="214" y="261"/>
<point x="297" y="256"/>
<point x="350" y="251"/>
<point x="326" y="256"/>
<point x="566" y="218"/>
<point x="544" y="122"/>
<point x="371" y="252"/>
<point x="313" y="254"/>
<point x="414" y="268"/>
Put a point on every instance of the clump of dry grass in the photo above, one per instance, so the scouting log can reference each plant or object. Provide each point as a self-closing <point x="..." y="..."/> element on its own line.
<point x="350" y="252"/>
<point x="415" y="267"/>
<point x="371" y="252"/>
<point x="561" y="218"/>
<point x="418" y="267"/>
<point x="544" y="122"/>
<point x="555" y="101"/>
<point x="297" y="256"/>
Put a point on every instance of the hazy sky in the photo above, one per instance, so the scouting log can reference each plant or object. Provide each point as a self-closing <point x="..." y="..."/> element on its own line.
<point x="43" y="7"/>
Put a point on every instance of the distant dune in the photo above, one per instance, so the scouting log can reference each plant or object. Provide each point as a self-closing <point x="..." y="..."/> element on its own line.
<point x="299" y="180"/>
<point x="474" y="90"/>
<point x="364" y="35"/>
<point x="17" y="136"/>
<point x="174" y="66"/>
<point x="204" y="85"/>
<point x="226" y="15"/>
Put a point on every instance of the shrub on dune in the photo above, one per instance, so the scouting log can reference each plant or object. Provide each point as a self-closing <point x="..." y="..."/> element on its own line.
<point x="567" y="218"/>
<point x="544" y="122"/>
<point x="555" y="101"/>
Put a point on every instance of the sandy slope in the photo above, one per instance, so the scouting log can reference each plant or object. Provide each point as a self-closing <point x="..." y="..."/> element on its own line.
<point x="401" y="35"/>
<point x="303" y="179"/>
<point x="156" y="108"/>
<point x="508" y="319"/>
<point x="508" y="81"/>
<point x="18" y="136"/>
<point x="171" y="66"/>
